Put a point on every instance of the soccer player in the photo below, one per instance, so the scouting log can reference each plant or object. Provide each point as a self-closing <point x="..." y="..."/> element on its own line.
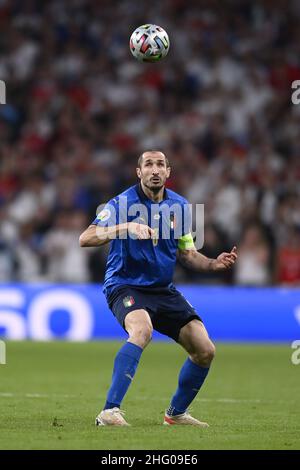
<point x="138" y="285"/>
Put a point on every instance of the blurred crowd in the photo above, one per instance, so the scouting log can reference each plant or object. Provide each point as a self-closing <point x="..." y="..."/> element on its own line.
<point x="80" y="109"/>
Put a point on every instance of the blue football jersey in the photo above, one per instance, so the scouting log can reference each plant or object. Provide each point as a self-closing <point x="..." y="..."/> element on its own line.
<point x="148" y="262"/>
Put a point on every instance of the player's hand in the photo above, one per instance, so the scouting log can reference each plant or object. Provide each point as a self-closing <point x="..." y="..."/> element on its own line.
<point x="225" y="260"/>
<point x="140" y="231"/>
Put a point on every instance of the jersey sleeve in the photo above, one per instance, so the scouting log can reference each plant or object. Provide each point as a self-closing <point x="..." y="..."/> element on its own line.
<point x="109" y="215"/>
<point x="186" y="241"/>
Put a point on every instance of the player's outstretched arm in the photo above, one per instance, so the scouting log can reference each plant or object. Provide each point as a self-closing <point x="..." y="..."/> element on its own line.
<point x="194" y="260"/>
<point x="95" y="235"/>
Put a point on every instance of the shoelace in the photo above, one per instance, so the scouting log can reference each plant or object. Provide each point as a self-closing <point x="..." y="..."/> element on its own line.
<point x="188" y="413"/>
<point x="117" y="410"/>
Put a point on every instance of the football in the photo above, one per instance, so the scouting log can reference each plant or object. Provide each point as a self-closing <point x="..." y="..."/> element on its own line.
<point x="149" y="43"/>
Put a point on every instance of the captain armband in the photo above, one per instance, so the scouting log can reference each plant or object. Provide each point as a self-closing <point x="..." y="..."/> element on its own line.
<point x="186" y="242"/>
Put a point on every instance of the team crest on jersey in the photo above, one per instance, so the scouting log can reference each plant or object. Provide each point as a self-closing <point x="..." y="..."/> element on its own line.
<point x="128" y="301"/>
<point x="104" y="215"/>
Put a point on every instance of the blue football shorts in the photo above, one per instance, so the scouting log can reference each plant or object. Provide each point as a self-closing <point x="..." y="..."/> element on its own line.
<point x="168" y="309"/>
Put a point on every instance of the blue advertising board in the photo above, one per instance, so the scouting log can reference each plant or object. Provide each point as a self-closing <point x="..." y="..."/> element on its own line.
<point x="80" y="313"/>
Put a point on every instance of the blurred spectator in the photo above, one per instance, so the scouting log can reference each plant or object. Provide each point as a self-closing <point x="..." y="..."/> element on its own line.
<point x="81" y="109"/>
<point x="288" y="260"/>
<point x="252" y="266"/>
<point x="27" y="255"/>
<point x="34" y="196"/>
<point x="8" y="262"/>
<point x="66" y="262"/>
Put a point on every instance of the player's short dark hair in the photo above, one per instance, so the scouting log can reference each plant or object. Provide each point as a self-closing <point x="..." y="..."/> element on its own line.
<point x="140" y="159"/>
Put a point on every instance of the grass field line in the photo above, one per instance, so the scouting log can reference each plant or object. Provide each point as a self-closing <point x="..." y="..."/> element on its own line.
<point x="34" y="395"/>
<point x="141" y="398"/>
<point x="212" y="400"/>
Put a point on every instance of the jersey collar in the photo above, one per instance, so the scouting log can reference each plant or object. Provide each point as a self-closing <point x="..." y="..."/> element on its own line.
<point x="144" y="197"/>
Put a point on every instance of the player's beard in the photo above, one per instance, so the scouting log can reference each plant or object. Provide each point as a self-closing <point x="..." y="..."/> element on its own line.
<point x="155" y="188"/>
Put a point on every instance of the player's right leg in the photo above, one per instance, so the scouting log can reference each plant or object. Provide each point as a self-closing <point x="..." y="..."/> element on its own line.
<point x="139" y="328"/>
<point x="194" y="338"/>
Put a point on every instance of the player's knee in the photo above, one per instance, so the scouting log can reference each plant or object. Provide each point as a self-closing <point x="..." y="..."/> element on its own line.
<point x="205" y="355"/>
<point x="141" y="335"/>
<point x="139" y="327"/>
<point x="208" y="353"/>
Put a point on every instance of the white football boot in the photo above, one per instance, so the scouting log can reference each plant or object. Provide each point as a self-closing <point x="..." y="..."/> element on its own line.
<point x="184" y="418"/>
<point x="111" y="417"/>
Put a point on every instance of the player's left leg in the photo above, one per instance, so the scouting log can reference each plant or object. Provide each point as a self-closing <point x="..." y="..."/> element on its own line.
<point x="195" y="340"/>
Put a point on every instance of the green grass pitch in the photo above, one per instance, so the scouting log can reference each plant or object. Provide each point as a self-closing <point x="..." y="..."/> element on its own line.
<point x="51" y="392"/>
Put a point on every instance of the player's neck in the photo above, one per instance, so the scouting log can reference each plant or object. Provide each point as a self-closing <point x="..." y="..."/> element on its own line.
<point x="155" y="196"/>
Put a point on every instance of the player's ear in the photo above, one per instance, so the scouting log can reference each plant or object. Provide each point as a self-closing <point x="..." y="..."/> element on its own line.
<point x="168" y="171"/>
<point x="138" y="172"/>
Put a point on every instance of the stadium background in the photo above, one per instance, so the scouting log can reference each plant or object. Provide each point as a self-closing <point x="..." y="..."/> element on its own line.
<point x="79" y="111"/>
